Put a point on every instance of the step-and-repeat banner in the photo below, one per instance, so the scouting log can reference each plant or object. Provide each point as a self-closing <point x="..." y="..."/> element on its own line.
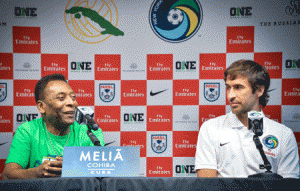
<point x="152" y="70"/>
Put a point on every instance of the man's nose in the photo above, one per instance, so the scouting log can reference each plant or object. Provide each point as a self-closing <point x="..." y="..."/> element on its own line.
<point x="230" y="94"/>
<point x="71" y="101"/>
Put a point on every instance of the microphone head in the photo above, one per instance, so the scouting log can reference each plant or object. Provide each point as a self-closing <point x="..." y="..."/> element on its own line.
<point x="80" y="114"/>
<point x="255" y="122"/>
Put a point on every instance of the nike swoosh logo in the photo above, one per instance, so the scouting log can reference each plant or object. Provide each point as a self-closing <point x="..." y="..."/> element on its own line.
<point x="109" y="143"/>
<point x="153" y="94"/>
<point x="223" y="144"/>
<point x="3" y="143"/>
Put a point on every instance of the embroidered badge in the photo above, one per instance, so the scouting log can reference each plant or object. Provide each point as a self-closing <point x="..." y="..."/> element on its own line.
<point x="270" y="141"/>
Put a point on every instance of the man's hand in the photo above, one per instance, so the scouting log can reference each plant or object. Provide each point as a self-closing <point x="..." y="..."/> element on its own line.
<point x="49" y="169"/>
<point x="46" y="169"/>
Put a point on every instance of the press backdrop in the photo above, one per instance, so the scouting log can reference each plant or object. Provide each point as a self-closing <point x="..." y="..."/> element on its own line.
<point x="151" y="70"/>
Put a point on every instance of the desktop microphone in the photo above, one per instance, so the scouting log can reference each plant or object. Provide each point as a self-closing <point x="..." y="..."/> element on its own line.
<point x="84" y="115"/>
<point x="255" y="122"/>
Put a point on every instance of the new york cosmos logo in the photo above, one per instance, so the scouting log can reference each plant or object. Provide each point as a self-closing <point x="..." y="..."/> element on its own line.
<point x="175" y="20"/>
<point x="92" y="21"/>
<point x="270" y="141"/>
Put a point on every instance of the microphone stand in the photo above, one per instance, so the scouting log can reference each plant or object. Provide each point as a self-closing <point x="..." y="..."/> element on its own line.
<point x="268" y="174"/>
<point x="93" y="138"/>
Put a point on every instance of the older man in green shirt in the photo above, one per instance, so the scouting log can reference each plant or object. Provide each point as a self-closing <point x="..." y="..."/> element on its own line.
<point x="37" y="147"/>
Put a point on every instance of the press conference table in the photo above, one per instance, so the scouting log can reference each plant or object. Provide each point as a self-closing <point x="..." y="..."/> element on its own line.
<point x="140" y="183"/>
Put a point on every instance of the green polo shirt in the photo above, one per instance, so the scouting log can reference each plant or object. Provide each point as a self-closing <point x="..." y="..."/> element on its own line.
<point x="31" y="142"/>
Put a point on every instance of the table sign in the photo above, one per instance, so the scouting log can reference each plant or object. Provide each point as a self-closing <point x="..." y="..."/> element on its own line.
<point x="101" y="161"/>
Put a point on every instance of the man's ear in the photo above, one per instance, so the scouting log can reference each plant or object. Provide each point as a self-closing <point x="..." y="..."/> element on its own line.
<point x="41" y="106"/>
<point x="260" y="91"/>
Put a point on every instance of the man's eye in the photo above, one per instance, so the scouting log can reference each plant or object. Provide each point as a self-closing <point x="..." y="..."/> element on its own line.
<point x="61" y="98"/>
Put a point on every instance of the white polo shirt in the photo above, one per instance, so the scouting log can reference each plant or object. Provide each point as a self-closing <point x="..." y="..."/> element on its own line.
<point x="226" y="145"/>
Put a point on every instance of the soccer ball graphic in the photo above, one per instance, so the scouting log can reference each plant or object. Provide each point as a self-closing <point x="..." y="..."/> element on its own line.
<point x="175" y="16"/>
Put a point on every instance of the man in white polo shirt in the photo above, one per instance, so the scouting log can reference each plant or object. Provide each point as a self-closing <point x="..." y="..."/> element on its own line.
<point x="225" y="145"/>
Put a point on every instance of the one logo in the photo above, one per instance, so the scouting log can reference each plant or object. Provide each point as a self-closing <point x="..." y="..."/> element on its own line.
<point x="292" y="64"/>
<point x="107" y="92"/>
<point x="240" y="12"/>
<point x="133" y="118"/>
<point x="222" y="144"/>
<point x="185" y="169"/>
<point x="175" y="20"/>
<point x="28" y="12"/>
<point x="81" y="66"/>
<point x="155" y="93"/>
<point x="86" y="21"/>
<point x="211" y="91"/>
<point x="271" y="142"/>
<point x="2" y="143"/>
<point x="294" y="8"/>
<point x="3" y="91"/>
<point x="26" y="117"/>
<point x="159" y="143"/>
<point x="185" y="66"/>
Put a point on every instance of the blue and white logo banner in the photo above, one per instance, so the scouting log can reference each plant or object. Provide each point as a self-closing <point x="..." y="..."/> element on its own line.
<point x="107" y="92"/>
<point x="211" y="91"/>
<point x="159" y="143"/>
<point x="3" y="91"/>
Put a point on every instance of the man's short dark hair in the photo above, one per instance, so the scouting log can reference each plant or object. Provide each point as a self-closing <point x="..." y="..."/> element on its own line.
<point x="256" y="74"/>
<point x="42" y="83"/>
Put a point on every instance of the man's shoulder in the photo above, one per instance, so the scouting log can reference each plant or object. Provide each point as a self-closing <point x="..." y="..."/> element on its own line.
<point x="33" y="124"/>
<point x="214" y="122"/>
<point x="277" y="126"/>
<point x="217" y="119"/>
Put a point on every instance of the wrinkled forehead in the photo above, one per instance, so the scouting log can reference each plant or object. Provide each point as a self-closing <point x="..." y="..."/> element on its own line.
<point x="239" y="79"/>
<point x="56" y="87"/>
<point x="235" y="76"/>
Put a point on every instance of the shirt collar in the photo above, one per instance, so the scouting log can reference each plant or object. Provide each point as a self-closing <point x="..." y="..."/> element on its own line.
<point x="233" y="122"/>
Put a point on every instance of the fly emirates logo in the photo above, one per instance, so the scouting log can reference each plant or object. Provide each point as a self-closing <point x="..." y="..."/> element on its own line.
<point x="295" y="92"/>
<point x="107" y="119"/>
<point x="159" y="67"/>
<point x="240" y="40"/>
<point x="82" y="93"/>
<point x="54" y="67"/>
<point x="26" y="40"/>
<point x="26" y="93"/>
<point x="4" y="67"/>
<point x="133" y="93"/>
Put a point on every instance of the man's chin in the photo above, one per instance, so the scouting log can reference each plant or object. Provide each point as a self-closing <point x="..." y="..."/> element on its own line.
<point x="235" y="111"/>
<point x="68" y="122"/>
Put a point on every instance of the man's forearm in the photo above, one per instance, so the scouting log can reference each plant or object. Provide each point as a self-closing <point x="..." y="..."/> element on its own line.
<point x="21" y="174"/>
<point x="206" y="173"/>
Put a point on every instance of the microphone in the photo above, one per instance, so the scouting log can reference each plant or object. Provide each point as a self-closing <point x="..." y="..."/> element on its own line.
<point x="255" y="122"/>
<point x="84" y="115"/>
